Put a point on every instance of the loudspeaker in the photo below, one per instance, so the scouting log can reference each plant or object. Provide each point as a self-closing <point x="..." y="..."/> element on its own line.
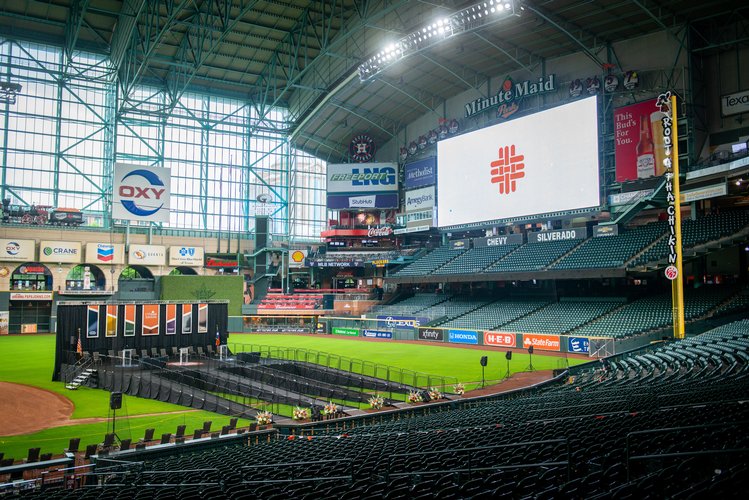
<point x="508" y="355"/>
<point x="484" y="360"/>
<point x="530" y="349"/>
<point x="115" y="401"/>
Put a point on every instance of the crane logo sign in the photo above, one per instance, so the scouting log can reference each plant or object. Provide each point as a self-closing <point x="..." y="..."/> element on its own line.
<point x="141" y="193"/>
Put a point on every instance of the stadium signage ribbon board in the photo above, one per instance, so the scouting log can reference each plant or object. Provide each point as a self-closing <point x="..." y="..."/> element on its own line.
<point x="420" y="173"/>
<point x="463" y="336"/>
<point x="629" y="197"/>
<point x="105" y="253"/>
<point x="578" y="344"/>
<point x="60" y="251"/>
<point x="141" y="193"/>
<point x="351" y="332"/>
<point x="577" y="233"/>
<point x="432" y="334"/>
<point x="45" y="296"/>
<point x="463" y="244"/>
<point x="186" y="256"/>
<point x="386" y="200"/>
<point x="533" y="165"/>
<point x="377" y="334"/>
<point x="704" y="193"/>
<point x="154" y="255"/>
<point x="17" y="250"/>
<point x="498" y="241"/>
<point x="420" y="199"/>
<point x="542" y="342"/>
<point x="500" y="339"/>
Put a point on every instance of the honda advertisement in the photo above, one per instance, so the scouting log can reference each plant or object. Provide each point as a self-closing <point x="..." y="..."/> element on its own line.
<point x="463" y="336"/>
<point x="541" y="163"/>
<point x="141" y="193"/>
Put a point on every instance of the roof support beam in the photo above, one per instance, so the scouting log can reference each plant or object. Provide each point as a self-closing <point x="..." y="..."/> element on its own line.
<point x="73" y="26"/>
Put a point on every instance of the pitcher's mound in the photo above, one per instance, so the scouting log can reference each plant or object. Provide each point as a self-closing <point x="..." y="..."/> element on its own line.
<point x="25" y="409"/>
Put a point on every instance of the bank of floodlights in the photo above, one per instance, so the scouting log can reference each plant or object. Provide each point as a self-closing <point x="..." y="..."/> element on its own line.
<point x="471" y="18"/>
<point x="9" y="91"/>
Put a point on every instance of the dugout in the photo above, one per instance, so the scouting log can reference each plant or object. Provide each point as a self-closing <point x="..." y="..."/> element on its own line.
<point x="110" y="326"/>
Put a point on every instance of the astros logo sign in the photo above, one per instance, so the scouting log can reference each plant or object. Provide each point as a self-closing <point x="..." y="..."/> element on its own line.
<point x="139" y="200"/>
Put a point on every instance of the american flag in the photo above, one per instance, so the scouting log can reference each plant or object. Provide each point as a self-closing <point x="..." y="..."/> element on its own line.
<point x="79" y="346"/>
<point x="218" y="339"/>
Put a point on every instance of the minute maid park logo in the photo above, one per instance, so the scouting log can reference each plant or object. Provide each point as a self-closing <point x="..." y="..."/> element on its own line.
<point x="59" y="251"/>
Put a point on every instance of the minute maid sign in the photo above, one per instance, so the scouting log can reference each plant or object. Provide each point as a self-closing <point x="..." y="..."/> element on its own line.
<point x="510" y="93"/>
<point x="141" y="193"/>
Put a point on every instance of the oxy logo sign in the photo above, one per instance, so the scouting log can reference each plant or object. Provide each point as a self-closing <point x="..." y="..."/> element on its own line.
<point x="507" y="169"/>
<point x="141" y="193"/>
<point x="12" y="247"/>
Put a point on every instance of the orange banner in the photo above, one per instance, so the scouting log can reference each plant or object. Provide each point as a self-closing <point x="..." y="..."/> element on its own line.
<point x="130" y="320"/>
<point x="150" y="319"/>
<point x="111" y="328"/>
<point x="543" y="342"/>
<point x="171" y="319"/>
<point x="186" y="319"/>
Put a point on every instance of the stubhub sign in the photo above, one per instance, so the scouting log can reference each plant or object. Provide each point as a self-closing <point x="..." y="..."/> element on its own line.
<point x="362" y="178"/>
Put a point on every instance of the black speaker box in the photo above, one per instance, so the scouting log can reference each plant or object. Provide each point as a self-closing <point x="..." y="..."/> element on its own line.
<point x="115" y="400"/>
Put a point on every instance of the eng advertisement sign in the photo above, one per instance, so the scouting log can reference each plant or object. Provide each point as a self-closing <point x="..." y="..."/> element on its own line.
<point x="420" y="173"/>
<point x="541" y="163"/>
<point x="60" y="251"/>
<point x="638" y="141"/>
<point x="542" y="342"/>
<point x="18" y="250"/>
<point x="147" y="255"/>
<point x="141" y="193"/>
<point x="499" y="339"/>
<point x="186" y="256"/>
<point x="362" y="178"/>
<point x="463" y="337"/>
<point x="420" y="199"/>
<point x="105" y="253"/>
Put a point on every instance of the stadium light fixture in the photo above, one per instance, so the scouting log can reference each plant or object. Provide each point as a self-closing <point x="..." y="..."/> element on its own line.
<point x="9" y="91"/>
<point x="466" y="20"/>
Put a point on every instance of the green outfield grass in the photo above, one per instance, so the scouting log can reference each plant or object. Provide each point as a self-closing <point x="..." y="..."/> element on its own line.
<point x="433" y="359"/>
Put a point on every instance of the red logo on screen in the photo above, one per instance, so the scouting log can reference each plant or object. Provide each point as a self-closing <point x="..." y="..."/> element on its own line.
<point x="507" y="169"/>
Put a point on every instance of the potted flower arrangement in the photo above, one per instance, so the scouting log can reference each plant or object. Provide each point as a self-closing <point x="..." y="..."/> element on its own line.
<point x="330" y="409"/>
<point x="300" y="413"/>
<point x="376" y="402"/>
<point x="435" y="393"/>
<point x="459" y="389"/>
<point x="414" y="397"/>
<point x="264" y="418"/>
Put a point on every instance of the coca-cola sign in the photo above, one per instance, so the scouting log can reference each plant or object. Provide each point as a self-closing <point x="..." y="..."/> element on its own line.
<point x="379" y="231"/>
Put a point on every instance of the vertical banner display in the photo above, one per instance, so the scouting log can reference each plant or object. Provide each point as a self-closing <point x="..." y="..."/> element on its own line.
<point x="4" y="322"/>
<point x="150" y="319"/>
<point x="186" y="319"/>
<point x="111" y="328"/>
<point x="171" y="319"/>
<point x="92" y="330"/>
<point x="638" y="135"/>
<point x="130" y="320"/>
<point x="202" y="318"/>
<point x="669" y="152"/>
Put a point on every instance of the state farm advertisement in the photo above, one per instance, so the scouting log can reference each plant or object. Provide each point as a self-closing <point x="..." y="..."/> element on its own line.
<point x="541" y="163"/>
<point x="499" y="339"/>
<point x="638" y="141"/>
<point x="542" y="342"/>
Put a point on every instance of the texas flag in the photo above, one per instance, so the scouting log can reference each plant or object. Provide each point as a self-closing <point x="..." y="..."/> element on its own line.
<point x="218" y="339"/>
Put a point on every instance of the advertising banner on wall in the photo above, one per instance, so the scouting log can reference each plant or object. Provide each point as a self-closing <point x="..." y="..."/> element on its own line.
<point x="18" y="250"/>
<point x="463" y="337"/>
<point x="186" y="256"/>
<point x="343" y="201"/>
<point x="734" y="104"/>
<point x="577" y="233"/>
<point x="351" y="332"/>
<point x="60" y="251"/>
<point x="462" y="244"/>
<point x="704" y="193"/>
<point x="499" y="339"/>
<point x="498" y="241"/>
<point x="147" y="255"/>
<point x="202" y="318"/>
<point x="105" y="253"/>
<point x="92" y="331"/>
<point x="297" y="258"/>
<point x="638" y="141"/>
<point x="432" y="334"/>
<point x="43" y="296"/>
<point x="111" y="326"/>
<point x="151" y="319"/>
<point x="542" y="342"/>
<point x="141" y="193"/>
<point x="4" y="322"/>
<point x="171" y="319"/>
<point x="578" y="344"/>
<point x="401" y="321"/>
<point x="420" y="173"/>
<point x="541" y="163"/>
<point x="186" y="319"/>
<point x="129" y="320"/>
<point x="377" y="334"/>
<point x="419" y="199"/>
<point x="607" y="230"/>
<point x="355" y="178"/>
